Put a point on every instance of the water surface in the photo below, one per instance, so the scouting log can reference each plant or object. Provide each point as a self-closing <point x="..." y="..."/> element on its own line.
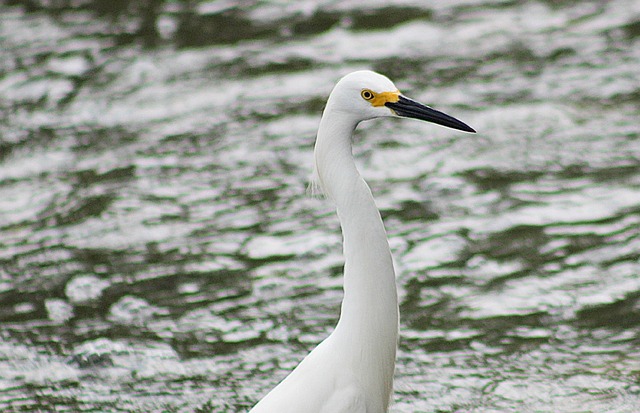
<point x="158" y="250"/>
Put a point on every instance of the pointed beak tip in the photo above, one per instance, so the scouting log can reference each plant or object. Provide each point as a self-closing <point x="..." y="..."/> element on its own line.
<point x="409" y="108"/>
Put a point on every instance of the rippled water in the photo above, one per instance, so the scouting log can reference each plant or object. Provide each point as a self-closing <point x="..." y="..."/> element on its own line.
<point x="158" y="251"/>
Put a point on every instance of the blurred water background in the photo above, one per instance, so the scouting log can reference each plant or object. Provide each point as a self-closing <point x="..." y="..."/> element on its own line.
<point x="158" y="252"/>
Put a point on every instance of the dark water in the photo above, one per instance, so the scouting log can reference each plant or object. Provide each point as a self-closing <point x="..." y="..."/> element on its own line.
<point x="158" y="252"/>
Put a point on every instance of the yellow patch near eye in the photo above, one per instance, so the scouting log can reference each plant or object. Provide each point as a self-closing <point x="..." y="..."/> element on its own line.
<point x="379" y="99"/>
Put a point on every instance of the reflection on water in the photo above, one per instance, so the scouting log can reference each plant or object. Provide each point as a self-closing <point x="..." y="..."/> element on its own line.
<point x="158" y="251"/>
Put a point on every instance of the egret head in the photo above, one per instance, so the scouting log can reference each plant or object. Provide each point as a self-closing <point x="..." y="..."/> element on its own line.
<point x="366" y="95"/>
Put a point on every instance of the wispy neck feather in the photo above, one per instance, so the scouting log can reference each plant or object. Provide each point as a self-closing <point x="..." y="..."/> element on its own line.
<point x="332" y="152"/>
<point x="366" y="334"/>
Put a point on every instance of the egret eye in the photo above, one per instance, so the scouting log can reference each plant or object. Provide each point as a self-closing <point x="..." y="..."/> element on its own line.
<point x="366" y="94"/>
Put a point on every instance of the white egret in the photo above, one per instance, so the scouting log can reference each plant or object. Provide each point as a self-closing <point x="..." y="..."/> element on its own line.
<point x="351" y="371"/>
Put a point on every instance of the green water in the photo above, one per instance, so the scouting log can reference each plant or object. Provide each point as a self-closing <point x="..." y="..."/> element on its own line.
<point x="159" y="253"/>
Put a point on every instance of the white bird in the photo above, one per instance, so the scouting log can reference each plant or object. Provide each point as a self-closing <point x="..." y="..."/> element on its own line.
<point x="351" y="371"/>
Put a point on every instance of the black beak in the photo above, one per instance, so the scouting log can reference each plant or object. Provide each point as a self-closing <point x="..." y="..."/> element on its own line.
<point x="411" y="109"/>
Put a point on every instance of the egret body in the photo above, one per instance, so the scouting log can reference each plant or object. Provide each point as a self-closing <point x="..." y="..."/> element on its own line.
<point x="351" y="371"/>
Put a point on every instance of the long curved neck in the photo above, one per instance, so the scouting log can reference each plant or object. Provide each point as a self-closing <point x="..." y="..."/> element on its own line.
<point x="368" y="325"/>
